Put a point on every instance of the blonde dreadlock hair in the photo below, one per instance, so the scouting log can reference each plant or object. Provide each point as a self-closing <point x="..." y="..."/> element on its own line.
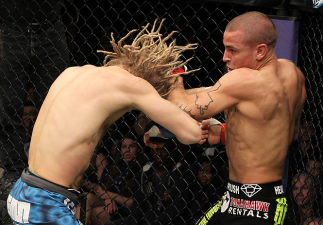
<point x="149" y="57"/>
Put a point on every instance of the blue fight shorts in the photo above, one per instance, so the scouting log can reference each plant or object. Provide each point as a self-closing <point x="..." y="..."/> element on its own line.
<point x="48" y="203"/>
<point x="248" y="204"/>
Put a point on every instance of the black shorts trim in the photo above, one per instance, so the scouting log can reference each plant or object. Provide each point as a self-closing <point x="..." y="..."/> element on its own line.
<point x="35" y="181"/>
<point x="256" y="191"/>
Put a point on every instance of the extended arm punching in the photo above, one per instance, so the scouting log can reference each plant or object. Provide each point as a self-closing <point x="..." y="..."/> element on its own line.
<point x="205" y="102"/>
<point x="165" y="113"/>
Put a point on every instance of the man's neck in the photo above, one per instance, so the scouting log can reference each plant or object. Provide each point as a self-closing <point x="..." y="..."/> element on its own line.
<point x="270" y="58"/>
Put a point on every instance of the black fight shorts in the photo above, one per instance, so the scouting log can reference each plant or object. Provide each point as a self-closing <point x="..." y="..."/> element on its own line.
<point x="251" y="204"/>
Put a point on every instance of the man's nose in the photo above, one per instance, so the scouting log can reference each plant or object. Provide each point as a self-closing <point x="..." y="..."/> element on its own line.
<point x="203" y="175"/>
<point x="225" y="56"/>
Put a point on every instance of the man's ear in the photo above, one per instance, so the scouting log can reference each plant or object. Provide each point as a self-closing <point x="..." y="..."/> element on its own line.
<point x="262" y="50"/>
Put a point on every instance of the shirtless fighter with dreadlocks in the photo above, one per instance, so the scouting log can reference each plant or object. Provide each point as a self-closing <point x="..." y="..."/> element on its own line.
<point x="81" y="104"/>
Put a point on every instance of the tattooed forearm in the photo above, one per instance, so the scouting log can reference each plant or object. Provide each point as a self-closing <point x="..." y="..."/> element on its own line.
<point x="202" y="106"/>
<point x="187" y="111"/>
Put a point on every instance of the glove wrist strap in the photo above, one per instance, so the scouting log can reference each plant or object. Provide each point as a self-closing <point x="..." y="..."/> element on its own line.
<point x="223" y="134"/>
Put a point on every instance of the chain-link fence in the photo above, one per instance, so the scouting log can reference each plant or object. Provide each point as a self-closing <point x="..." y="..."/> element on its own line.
<point x="42" y="38"/>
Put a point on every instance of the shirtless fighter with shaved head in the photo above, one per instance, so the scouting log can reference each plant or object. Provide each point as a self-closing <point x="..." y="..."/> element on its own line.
<point x="81" y="104"/>
<point x="262" y="97"/>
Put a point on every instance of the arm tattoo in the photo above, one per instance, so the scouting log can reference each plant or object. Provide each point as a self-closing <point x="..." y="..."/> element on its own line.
<point x="187" y="111"/>
<point x="202" y="107"/>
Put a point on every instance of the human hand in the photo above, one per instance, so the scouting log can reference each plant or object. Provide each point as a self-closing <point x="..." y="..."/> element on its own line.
<point x="110" y="206"/>
<point x="205" y="133"/>
<point x="178" y="71"/>
<point x="148" y="142"/>
<point x="178" y="91"/>
<point x="213" y="128"/>
<point x="96" y="187"/>
<point x="98" y="190"/>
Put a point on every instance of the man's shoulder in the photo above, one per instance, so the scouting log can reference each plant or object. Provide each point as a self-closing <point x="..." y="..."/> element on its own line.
<point x="286" y="61"/>
<point x="241" y="78"/>
<point x="241" y="71"/>
<point x="240" y="75"/>
<point x="118" y="78"/>
<point x="123" y="75"/>
<point x="289" y="71"/>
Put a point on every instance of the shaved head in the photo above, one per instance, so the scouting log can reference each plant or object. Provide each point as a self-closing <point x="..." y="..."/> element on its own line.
<point x="257" y="28"/>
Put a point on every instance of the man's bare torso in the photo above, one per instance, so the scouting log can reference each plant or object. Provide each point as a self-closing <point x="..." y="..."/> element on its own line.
<point x="72" y="120"/>
<point x="259" y="129"/>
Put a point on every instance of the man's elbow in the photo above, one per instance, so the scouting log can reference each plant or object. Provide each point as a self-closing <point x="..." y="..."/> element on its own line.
<point x="192" y="138"/>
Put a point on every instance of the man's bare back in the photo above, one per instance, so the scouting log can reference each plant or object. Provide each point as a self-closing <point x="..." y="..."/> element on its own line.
<point x="81" y="104"/>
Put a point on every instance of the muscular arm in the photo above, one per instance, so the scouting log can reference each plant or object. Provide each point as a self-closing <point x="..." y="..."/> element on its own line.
<point x="163" y="112"/>
<point x="195" y="90"/>
<point x="209" y="102"/>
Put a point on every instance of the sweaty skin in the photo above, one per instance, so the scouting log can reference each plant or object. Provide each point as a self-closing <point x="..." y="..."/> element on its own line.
<point x="81" y="104"/>
<point x="262" y="98"/>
